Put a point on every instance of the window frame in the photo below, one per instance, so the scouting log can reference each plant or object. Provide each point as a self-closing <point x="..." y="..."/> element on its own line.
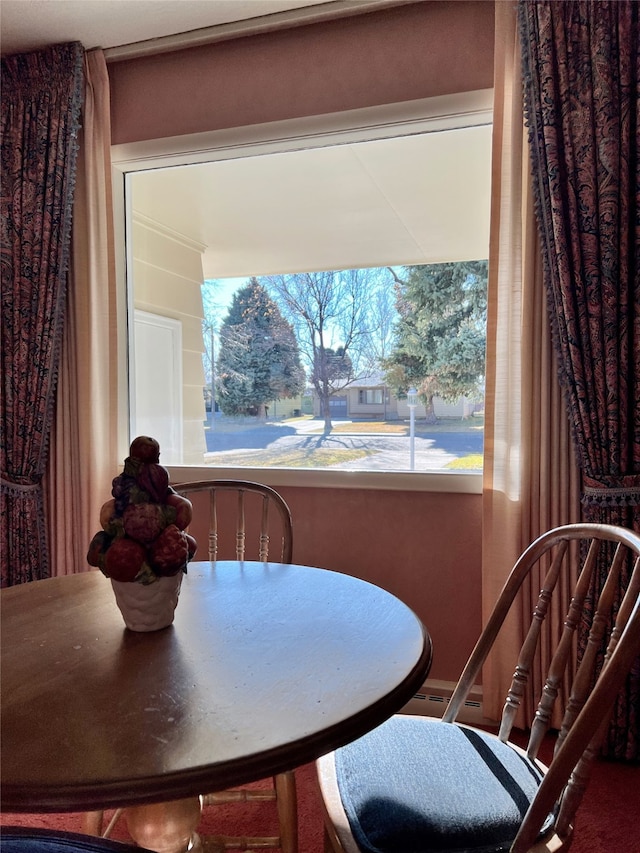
<point x="377" y="395"/>
<point x="382" y="122"/>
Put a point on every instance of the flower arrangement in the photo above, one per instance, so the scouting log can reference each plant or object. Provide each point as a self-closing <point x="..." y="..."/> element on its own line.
<point x="144" y="525"/>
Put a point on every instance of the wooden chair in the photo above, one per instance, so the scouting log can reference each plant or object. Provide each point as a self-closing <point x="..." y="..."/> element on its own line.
<point x="420" y="783"/>
<point x="241" y="518"/>
<point x="244" y="520"/>
<point x="250" y="510"/>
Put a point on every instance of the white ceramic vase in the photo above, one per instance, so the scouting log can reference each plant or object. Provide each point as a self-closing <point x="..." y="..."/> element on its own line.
<point x="148" y="607"/>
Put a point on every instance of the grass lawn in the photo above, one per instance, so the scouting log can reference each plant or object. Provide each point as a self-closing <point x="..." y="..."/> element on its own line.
<point x="471" y="462"/>
<point x="317" y="458"/>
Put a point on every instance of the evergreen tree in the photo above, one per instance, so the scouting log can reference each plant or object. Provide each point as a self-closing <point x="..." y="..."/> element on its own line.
<point x="259" y="359"/>
<point x="440" y="334"/>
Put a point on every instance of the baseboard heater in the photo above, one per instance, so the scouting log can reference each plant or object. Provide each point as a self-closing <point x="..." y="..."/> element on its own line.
<point x="432" y="699"/>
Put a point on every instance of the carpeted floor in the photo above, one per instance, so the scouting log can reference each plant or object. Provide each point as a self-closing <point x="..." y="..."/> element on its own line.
<point x="258" y="818"/>
<point x="608" y="820"/>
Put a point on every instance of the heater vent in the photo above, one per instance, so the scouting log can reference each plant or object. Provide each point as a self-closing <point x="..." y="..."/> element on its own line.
<point x="432" y="699"/>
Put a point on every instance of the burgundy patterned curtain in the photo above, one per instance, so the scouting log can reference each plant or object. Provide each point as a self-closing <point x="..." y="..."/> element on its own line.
<point x="581" y="68"/>
<point x="41" y="102"/>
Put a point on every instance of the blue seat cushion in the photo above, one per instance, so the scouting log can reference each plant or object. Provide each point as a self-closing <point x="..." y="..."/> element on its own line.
<point x="419" y="785"/>
<point x="24" y="839"/>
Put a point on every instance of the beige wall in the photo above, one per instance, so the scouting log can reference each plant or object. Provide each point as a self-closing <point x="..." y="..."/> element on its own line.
<point x="167" y="277"/>
<point x="425" y="547"/>
<point x="414" y="51"/>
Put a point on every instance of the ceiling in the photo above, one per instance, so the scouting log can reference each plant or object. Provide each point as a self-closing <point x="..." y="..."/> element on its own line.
<point x="410" y="200"/>
<point x="417" y="199"/>
<point x="32" y="24"/>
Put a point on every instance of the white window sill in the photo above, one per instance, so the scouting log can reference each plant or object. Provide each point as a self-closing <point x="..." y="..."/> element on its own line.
<point x="452" y="483"/>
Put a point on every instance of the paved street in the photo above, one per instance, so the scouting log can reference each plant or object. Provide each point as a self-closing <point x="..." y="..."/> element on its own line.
<point x="391" y="452"/>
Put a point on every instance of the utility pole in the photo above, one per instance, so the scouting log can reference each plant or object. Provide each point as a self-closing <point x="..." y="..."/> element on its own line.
<point x="412" y="400"/>
<point x="213" y="377"/>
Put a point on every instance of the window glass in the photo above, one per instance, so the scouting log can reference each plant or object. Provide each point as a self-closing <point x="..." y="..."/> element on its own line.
<point x="371" y="396"/>
<point x="331" y="306"/>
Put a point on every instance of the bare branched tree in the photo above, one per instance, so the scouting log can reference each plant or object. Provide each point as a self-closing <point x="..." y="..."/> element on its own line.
<point x="338" y="333"/>
<point x="213" y="311"/>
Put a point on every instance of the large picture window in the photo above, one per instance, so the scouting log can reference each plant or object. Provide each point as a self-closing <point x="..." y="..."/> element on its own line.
<point x="315" y="289"/>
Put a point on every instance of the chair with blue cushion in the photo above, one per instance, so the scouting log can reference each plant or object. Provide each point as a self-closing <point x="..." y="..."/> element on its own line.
<point x="427" y="785"/>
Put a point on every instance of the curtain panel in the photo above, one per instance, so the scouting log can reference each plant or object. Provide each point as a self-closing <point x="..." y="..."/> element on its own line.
<point x="83" y="452"/>
<point x="41" y="106"/>
<point x="530" y="482"/>
<point x="581" y="69"/>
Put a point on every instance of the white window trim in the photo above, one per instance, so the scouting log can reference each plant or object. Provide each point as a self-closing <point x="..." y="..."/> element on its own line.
<point x="383" y="122"/>
<point x="325" y="478"/>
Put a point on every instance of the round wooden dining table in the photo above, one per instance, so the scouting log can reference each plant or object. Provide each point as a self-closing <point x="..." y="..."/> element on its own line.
<point x="267" y="666"/>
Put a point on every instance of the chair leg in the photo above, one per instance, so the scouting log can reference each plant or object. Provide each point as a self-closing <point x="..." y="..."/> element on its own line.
<point x="328" y="844"/>
<point x="92" y="823"/>
<point x="287" y="803"/>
